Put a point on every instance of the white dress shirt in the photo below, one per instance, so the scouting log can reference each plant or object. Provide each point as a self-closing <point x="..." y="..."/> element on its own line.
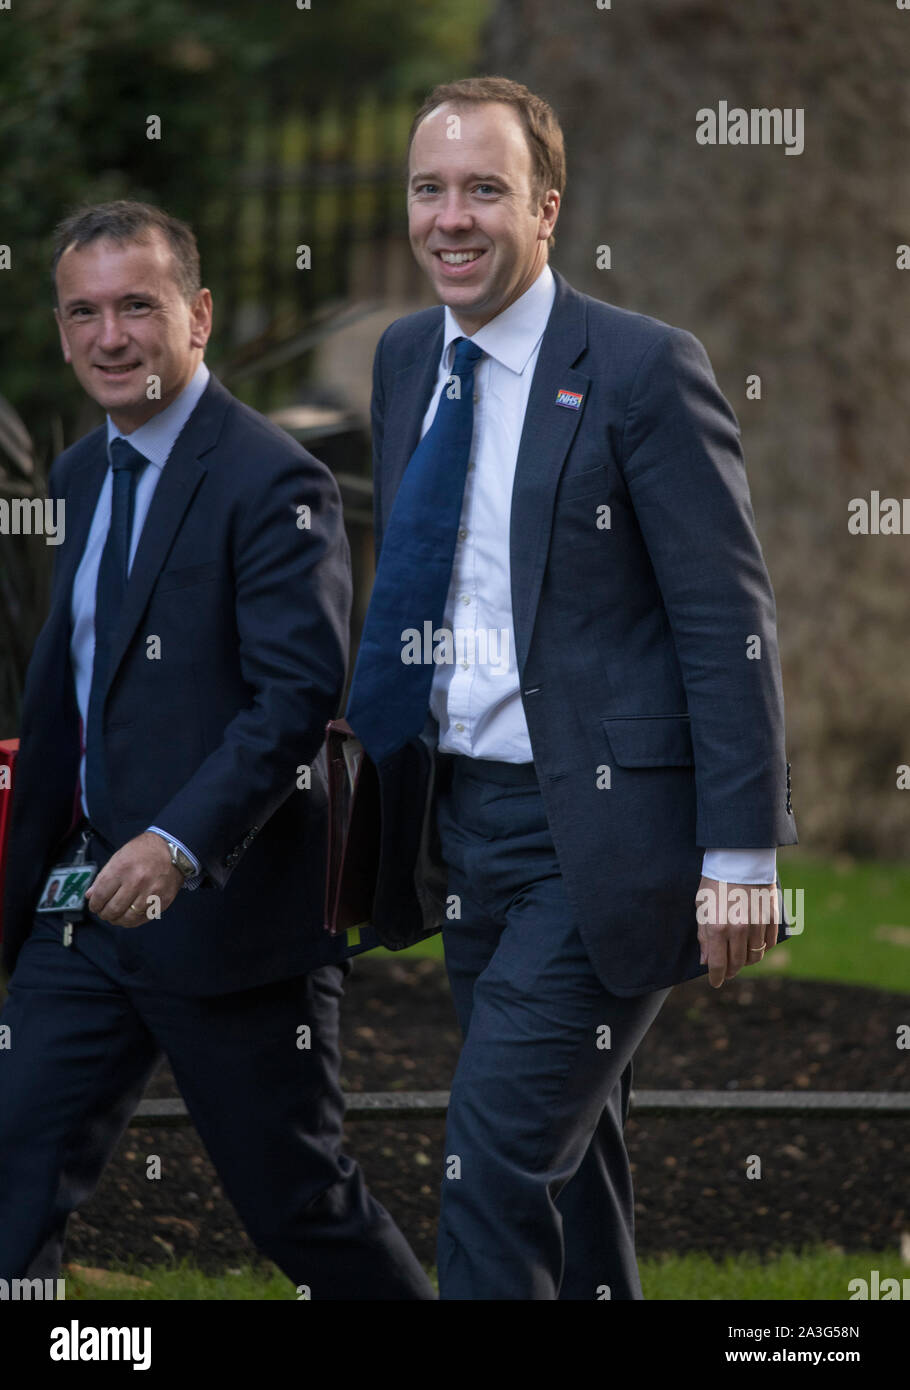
<point x="155" y="439"/>
<point x="476" y="698"/>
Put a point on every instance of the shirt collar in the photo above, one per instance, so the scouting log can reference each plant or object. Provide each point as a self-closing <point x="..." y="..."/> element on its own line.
<point x="157" y="437"/>
<point x="512" y="336"/>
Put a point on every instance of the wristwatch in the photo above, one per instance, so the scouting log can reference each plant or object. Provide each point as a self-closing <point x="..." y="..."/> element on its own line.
<point x="180" y="860"/>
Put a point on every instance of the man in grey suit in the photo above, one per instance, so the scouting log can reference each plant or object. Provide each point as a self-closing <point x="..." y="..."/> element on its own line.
<point x="608" y="748"/>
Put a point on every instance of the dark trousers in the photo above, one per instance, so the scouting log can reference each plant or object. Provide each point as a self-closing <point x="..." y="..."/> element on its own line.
<point x="87" y="1029"/>
<point x="537" y="1192"/>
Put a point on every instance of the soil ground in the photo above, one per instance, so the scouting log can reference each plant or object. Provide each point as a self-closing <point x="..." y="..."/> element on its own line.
<point x="841" y="1182"/>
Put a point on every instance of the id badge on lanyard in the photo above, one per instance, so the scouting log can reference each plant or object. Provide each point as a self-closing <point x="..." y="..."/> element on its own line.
<point x="65" y="888"/>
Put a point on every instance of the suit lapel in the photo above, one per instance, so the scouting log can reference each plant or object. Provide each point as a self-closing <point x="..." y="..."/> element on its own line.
<point x="412" y="387"/>
<point x="83" y="488"/>
<point x="51" y="653"/>
<point x="179" y="480"/>
<point x="545" y="440"/>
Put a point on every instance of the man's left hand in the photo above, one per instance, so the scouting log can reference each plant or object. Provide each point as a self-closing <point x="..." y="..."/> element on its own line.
<point x="140" y="871"/>
<point x="726" y="947"/>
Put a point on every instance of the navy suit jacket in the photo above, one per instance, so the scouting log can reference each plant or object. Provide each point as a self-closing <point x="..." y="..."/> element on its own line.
<point x="654" y="733"/>
<point x="251" y="610"/>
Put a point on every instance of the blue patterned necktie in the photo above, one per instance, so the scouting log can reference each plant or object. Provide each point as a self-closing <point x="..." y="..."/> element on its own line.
<point x="389" y="697"/>
<point x="127" y="463"/>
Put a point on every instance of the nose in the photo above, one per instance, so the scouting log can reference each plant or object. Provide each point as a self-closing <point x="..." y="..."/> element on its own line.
<point x="112" y="332"/>
<point x="454" y="214"/>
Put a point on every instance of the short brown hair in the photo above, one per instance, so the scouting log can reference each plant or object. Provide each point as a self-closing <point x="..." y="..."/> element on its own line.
<point x="126" y="220"/>
<point x="541" y="126"/>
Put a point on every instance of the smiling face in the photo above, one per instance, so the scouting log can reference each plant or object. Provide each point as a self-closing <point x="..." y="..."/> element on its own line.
<point x="470" y="217"/>
<point x="123" y="319"/>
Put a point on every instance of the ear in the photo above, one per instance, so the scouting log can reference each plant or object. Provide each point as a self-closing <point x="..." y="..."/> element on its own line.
<point x="201" y="319"/>
<point x="549" y="211"/>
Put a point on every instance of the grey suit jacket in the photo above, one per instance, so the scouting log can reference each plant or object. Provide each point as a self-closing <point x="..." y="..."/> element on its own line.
<point x="647" y="650"/>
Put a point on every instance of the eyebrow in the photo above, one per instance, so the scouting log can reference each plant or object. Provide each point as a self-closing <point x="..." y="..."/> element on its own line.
<point x="475" y="178"/>
<point x="87" y="299"/>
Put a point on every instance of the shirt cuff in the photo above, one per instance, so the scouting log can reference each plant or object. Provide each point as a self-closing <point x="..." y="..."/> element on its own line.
<point x="195" y="878"/>
<point x="740" y="865"/>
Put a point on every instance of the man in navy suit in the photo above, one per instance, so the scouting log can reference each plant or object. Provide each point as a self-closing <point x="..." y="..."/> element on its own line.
<point x="171" y="734"/>
<point x="604" y="738"/>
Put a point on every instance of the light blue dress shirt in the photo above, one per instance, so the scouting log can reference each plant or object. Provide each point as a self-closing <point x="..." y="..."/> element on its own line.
<point x="155" y="440"/>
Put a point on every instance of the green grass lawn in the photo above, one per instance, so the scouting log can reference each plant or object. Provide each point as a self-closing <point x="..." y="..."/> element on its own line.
<point x="816" y="1273"/>
<point x="856" y="923"/>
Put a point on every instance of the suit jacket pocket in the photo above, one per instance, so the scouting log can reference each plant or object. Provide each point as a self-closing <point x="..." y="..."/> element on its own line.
<point x="591" y="480"/>
<point x="650" y="740"/>
<point x="185" y="575"/>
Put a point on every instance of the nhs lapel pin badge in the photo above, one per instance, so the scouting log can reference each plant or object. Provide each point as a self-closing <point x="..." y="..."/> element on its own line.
<point x="570" y="399"/>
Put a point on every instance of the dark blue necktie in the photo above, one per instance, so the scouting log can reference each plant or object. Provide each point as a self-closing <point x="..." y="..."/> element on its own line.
<point x="389" y="697"/>
<point x="127" y="463"/>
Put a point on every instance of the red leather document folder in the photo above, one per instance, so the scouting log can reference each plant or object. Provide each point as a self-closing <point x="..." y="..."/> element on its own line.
<point x="354" y="831"/>
<point x="8" y="750"/>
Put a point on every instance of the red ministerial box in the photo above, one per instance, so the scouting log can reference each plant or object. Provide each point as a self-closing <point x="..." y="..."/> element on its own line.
<point x="9" y="747"/>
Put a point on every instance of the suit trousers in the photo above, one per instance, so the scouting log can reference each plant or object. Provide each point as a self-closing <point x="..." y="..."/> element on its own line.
<point x="258" y="1070"/>
<point x="537" y="1192"/>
